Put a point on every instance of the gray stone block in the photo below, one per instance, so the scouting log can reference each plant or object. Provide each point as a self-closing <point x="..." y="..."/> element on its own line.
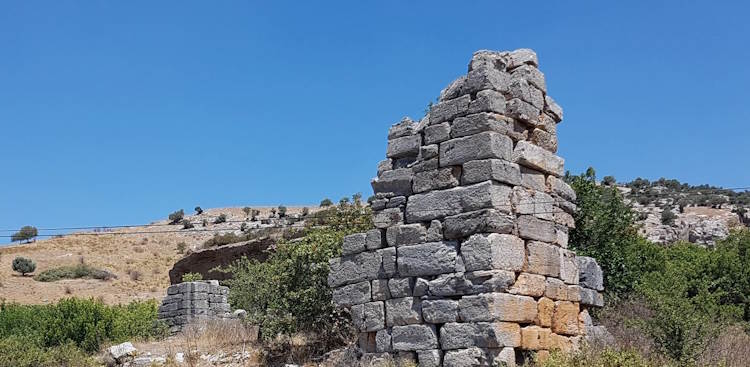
<point x="407" y="146"/>
<point x="397" y="182"/>
<point x="521" y="88"/>
<point x="485" y="78"/>
<point x="491" y="169"/>
<point x="380" y="290"/>
<point x="590" y="297"/>
<point x="388" y="217"/>
<point x="449" y="285"/>
<point x="442" y="178"/>
<point x="369" y="316"/>
<point x="403" y="311"/>
<point x="430" y="358"/>
<point x="488" y="101"/>
<point x="554" y="109"/>
<point x="530" y="74"/>
<point x="438" y="133"/>
<point x="448" y="110"/>
<point x="401" y="287"/>
<point x="352" y="294"/>
<point x="427" y="259"/>
<point x="481" y="221"/>
<point x="389" y="266"/>
<point x="440" y="311"/>
<point x="497" y="306"/>
<point x="481" y="334"/>
<point x="480" y="146"/>
<point x="396" y="202"/>
<point x="354" y="268"/>
<point x="435" y="232"/>
<point x="405" y="127"/>
<point x="429" y="151"/>
<point x="591" y="275"/>
<point x="414" y="337"/>
<point x="441" y="203"/>
<point x="543" y="259"/>
<point x="493" y="251"/>
<point x="521" y="110"/>
<point x="569" y="272"/>
<point x="481" y="122"/>
<point x="406" y="234"/>
<point x="532" y="156"/>
<point x="383" y="341"/>
<point x="353" y="243"/>
<point x="373" y="239"/>
<point x="470" y="357"/>
<point x="533" y="228"/>
<point x="421" y="287"/>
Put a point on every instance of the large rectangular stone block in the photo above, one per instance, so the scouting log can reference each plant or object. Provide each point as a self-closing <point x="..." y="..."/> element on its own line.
<point x="405" y="234"/>
<point x="442" y="203"/>
<point x="437" y="133"/>
<point x="491" y="169"/>
<point x="497" y="306"/>
<point x="532" y="156"/>
<point x="407" y="146"/>
<point x="427" y="259"/>
<point x="395" y="182"/>
<point x="481" y="122"/>
<point x="533" y="228"/>
<point x="543" y="259"/>
<point x="533" y="202"/>
<point x="481" y="221"/>
<point x="591" y="275"/>
<point x="493" y="251"/>
<point x="352" y="294"/>
<point x="354" y="268"/>
<point x="353" y="243"/>
<point x="403" y="311"/>
<point x="414" y="337"/>
<point x="480" y="334"/>
<point x="448" y="110"/>
<point x="565" y="318"/>
<point x="440" y="311"/>
<point x="368" y="316"/>
<point x="442" y="178"/>
<point x="474" y="282"/>
<point x="568" y="267"/>
<point x="480" y="146"/>
<point x="488" y="101"/>
<point x="387" y="217"/>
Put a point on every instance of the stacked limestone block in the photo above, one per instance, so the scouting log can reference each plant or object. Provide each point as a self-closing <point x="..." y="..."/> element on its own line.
<point x="469" y="262"/>
<point x="191" y="301"/>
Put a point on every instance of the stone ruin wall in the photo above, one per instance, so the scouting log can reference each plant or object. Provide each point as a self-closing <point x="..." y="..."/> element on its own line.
<point x="192" y="301"/>
<point x="468" y="264"/>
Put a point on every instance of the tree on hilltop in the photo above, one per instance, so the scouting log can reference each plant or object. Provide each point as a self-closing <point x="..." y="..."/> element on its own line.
<point x="27" y="233"/>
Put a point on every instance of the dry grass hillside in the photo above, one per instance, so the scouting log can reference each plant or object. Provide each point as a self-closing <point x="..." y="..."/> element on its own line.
<point x="141" y="261"/>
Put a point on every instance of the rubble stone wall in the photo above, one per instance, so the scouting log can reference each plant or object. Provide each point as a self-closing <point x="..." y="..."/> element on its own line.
<point x="468" y="264"/>
<point x="190" y="301"/>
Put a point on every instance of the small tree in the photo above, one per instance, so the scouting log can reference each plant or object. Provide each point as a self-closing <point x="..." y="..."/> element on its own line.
<point x="609" y="181"/>
<point x="282" y="211"/>
<point x="186" y="224"/>
<point x="357" y="198"/>
<point x="27" y="233"/>
<point x="222" y="218"/>
<point x="326" y="202"/>
<point x="667" y="217"/>
<point x="254" y="214"/>
<point x="198" y="210"/>
<point x="176" y="217"/>
<point x="247" y="210"/>
<point x="23" y="265"/>
<point x="344" y="201"/>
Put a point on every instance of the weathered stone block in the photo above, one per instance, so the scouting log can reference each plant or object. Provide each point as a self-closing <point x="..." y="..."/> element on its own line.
<point x="521" y="110"/>
<point x="470" y="357"/>
<point x="530" y="74"/>
<point x="401" y="287"/>
<point x="414" y="337"/>
<point x="497" y="306"/>
<point x="544" y="140"/>
<point x="352" y="294"/>
<point x="481" y="221"/>
<point x="403" y="311"/>
<point x="529" y="285"/>
<point x="482" y="122"/>
<point x="396" y="202"/>
<point x="480" y="146"/>
<point x="521" y="88"/>
<point x="354" y="268"/>
<point x="427" y="259"/>
<point x="481" y="334"/>
<point x="368" y="316"/>
<point x="556" y="289"/>
<point x="485" y="78"/>
<point x="353" y="243"/>
<point x="380" y="290"/>
<point x="442" y="203"/>
<point x="543" y="259"/>
<point x="388" y="217"/>
<point x="533" y="228"/>
<point x="565" y="318"/>
<point x="448" y="110"/>
<point x="396" y="182"/>
<point x="373" y="239"/>
<point x="435" y="232"/>
<point x="535" y="338"/>
<point x="545" y="310"/>
<point x="421" y="286"/>
<point x="493" y="251"/>
<point x="561" y="188"/>
<point x="591" y="275"/>
<point x="405" y="127"/>
<point x="488" y="101"/>
<point x="442" y="178"/>
<point x="389" y="266"/>
<point x="532" y="156"/>
<point x="491" y="169"/>
<point x="568" y="266"/>
<point x="440" y="311"/>
<point x="406" y="234"/>
<point x="429" y="151"/>
<point x="438" y="133"/>
<point x="407" y="146"/>
<point x="383" y="341"/>
<point x="590" y="297"/>
<point x="533" y="179"/>
<point x="430" y="358"/>
<point x="554" y="109"/>
<point x="425" y="165"/>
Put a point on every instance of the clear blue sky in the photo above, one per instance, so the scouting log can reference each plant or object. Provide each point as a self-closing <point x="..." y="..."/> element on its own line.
<point x="122" y="111"/>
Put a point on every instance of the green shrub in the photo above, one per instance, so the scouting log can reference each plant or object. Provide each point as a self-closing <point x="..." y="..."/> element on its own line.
<point x="176" y="217"/>
<point x="667" y="217"/>
<point x="18" y="351"/>
<point x="74" y="272"/>
<point x="181" y="247"/>
<point x="282" y="211"/>
<point x="23" y="265"/>
<point x="607" y="357"/>
<point x="27" y="233"/>
<point x="86" y="323"/>
<point x="223" y="239"/>
<point x="186" y="224"/>
<point x="222" y="218"/>
<point x="288" y="293"/>
<point x="326" y="202"/>
<point x="192" y="277"/>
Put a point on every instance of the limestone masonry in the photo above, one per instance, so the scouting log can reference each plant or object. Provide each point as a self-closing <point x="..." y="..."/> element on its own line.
<point x="469" y="263"/>
<point x="190" y="301"/>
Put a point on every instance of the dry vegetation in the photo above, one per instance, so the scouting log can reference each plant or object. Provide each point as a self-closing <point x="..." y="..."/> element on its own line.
<point x="141" y="262"/>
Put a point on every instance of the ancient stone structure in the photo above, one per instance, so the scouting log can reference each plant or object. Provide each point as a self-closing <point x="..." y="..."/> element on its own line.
<point x="190" y="301"/>
<point x="469" y="263"/>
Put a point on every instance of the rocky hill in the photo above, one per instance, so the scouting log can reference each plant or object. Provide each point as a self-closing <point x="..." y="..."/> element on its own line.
<point x="670" y="211"/>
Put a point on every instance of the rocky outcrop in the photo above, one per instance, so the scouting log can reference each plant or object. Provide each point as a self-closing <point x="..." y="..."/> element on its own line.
<point x="468" y="264"/>
<point x="206" y="260"/>
<point x="699" y="225"/>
